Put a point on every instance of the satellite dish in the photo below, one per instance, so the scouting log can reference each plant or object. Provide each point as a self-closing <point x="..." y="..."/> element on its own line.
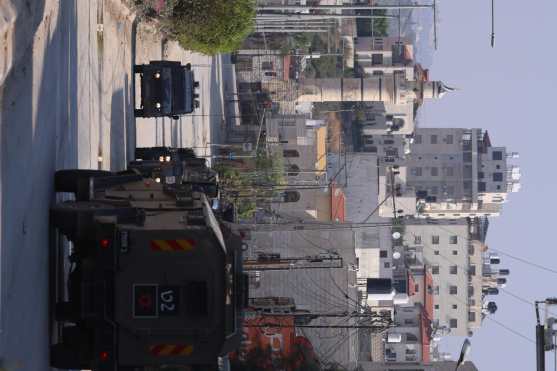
<point x="396" y="255"/>
<point x="396" y="235"/>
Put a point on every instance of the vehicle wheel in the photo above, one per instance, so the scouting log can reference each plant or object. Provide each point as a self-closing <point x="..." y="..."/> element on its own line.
<point x="74" y="219"/>
<point x="138" y="68"/>
<point x="188" y="66"/>
<point x="175" y="117"/>
<point x="196" y="84"/>
<point x="138" y="113"/>
<point x="64" y="357"/>
<point x="68" y="180"/>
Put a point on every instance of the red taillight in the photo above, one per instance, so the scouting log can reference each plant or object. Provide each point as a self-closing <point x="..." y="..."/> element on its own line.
<point x="103" y="356"/>
<point x="105" y="244"/>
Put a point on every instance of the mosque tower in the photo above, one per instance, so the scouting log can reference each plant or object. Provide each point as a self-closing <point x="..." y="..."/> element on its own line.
<point x="393" y="88"/>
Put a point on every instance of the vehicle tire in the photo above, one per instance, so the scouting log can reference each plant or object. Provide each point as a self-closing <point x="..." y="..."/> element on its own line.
<point x="175" y="117"/>
<point x="68" y="180"/>
<point x="74" y="219"/>
<point x="138" y="68"/>
<point x="138" y="112"/>
<point x="64" y="357"/>
<point x="188" y="66"/>
<point x="196" y="84"/>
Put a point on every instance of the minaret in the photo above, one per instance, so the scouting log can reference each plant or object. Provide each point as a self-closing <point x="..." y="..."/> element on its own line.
<point x="393" y="89"/>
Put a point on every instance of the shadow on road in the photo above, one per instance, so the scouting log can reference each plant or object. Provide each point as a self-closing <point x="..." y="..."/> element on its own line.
<point x="38" y="134"/>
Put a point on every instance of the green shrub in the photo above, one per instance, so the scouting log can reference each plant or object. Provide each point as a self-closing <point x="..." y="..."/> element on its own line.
<point x="212" y="26"/>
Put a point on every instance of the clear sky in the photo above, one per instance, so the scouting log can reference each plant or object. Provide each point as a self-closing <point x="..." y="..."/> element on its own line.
<point x="510" y="91"/>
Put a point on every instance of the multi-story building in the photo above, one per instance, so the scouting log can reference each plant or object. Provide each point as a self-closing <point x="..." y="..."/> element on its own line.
<point x="301" y="144"/>
<point x="385" y="55"/>
<point x="462" y="272"/>
<point x="450" y="173"/>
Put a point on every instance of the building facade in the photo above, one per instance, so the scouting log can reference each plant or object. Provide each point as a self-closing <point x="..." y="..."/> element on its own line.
<point x="453" y="173"/>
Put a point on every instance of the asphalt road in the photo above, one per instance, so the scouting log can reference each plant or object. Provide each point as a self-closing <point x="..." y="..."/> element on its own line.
<point x="67" y="102"/>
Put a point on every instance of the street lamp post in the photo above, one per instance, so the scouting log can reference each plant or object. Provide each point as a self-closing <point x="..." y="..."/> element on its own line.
<point x="466" y="347"/>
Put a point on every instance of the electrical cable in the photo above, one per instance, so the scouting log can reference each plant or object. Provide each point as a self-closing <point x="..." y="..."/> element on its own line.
<point x="511" y="330"/>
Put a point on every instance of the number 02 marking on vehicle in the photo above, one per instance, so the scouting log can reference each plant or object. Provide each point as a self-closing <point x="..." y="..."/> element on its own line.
<point x="169" y="300"/>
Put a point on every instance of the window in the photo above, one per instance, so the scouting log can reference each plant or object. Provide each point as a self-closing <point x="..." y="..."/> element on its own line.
<point x="481" y="175"/>
<point x="467" y="156"/>
<point x="453" y="323"/>
<point x="435" y="252"/>
<point x="417" y="288"/>
<point x="471" y="250"/>
<point x="291" y="196"/>
<point x="470" y="290"/>
<point x="436" y="290"/>
<point x="455" y="306"/>
<point x="436" y="306"/>
<point x="416" y="171"/>
<point x="434" y="171"/>
<point x="472" y="316"/>
<point x="383" y="253"/>
<point x="290" y="153"/>
<point x="387" y="265"/>
<point x="433" y="139"/>
<point x="418" y="139"/>
<point x="449" y="139"/>
<point x="497" y="177"/>
<point x="453" y="269"/>
<point x="455" y="252"/>
<point x="448" y="171"/>
<point x="293" y="170"/>
<point x="267" y="66"/>
<point x="497" y="155"/>
<point x="453" y="240"/>
<point x="498" y="187"/>
<point x="453" y="290"/>
<point x="417" y="240"/>
<point x="472" y="270"/>
<point x="435" y="240"/>
<point x="481" y="186"/>
<point x="435" y="269"/>
<point x="498" y="167"/>
<point x="271" y="74"/>
<point x="376" y="59"/>
<point x="388" y="141"/>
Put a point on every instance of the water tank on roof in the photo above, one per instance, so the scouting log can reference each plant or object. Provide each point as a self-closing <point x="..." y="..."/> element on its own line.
<point x="492" y="291"/>
<point x="380" y="289"/>
<point x="494" y="259"/>
<point x="492" y="307"/>
<point x="394" y="338"/>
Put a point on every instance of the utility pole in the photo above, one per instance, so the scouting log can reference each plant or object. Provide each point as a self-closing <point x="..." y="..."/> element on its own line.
<point x="545" y="332"/>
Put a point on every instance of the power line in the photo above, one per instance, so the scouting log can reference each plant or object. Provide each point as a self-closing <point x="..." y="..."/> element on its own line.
<point x="511" y="330"/>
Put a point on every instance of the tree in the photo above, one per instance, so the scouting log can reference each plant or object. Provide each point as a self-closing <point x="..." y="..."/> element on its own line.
<point x="210" y="26"/>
